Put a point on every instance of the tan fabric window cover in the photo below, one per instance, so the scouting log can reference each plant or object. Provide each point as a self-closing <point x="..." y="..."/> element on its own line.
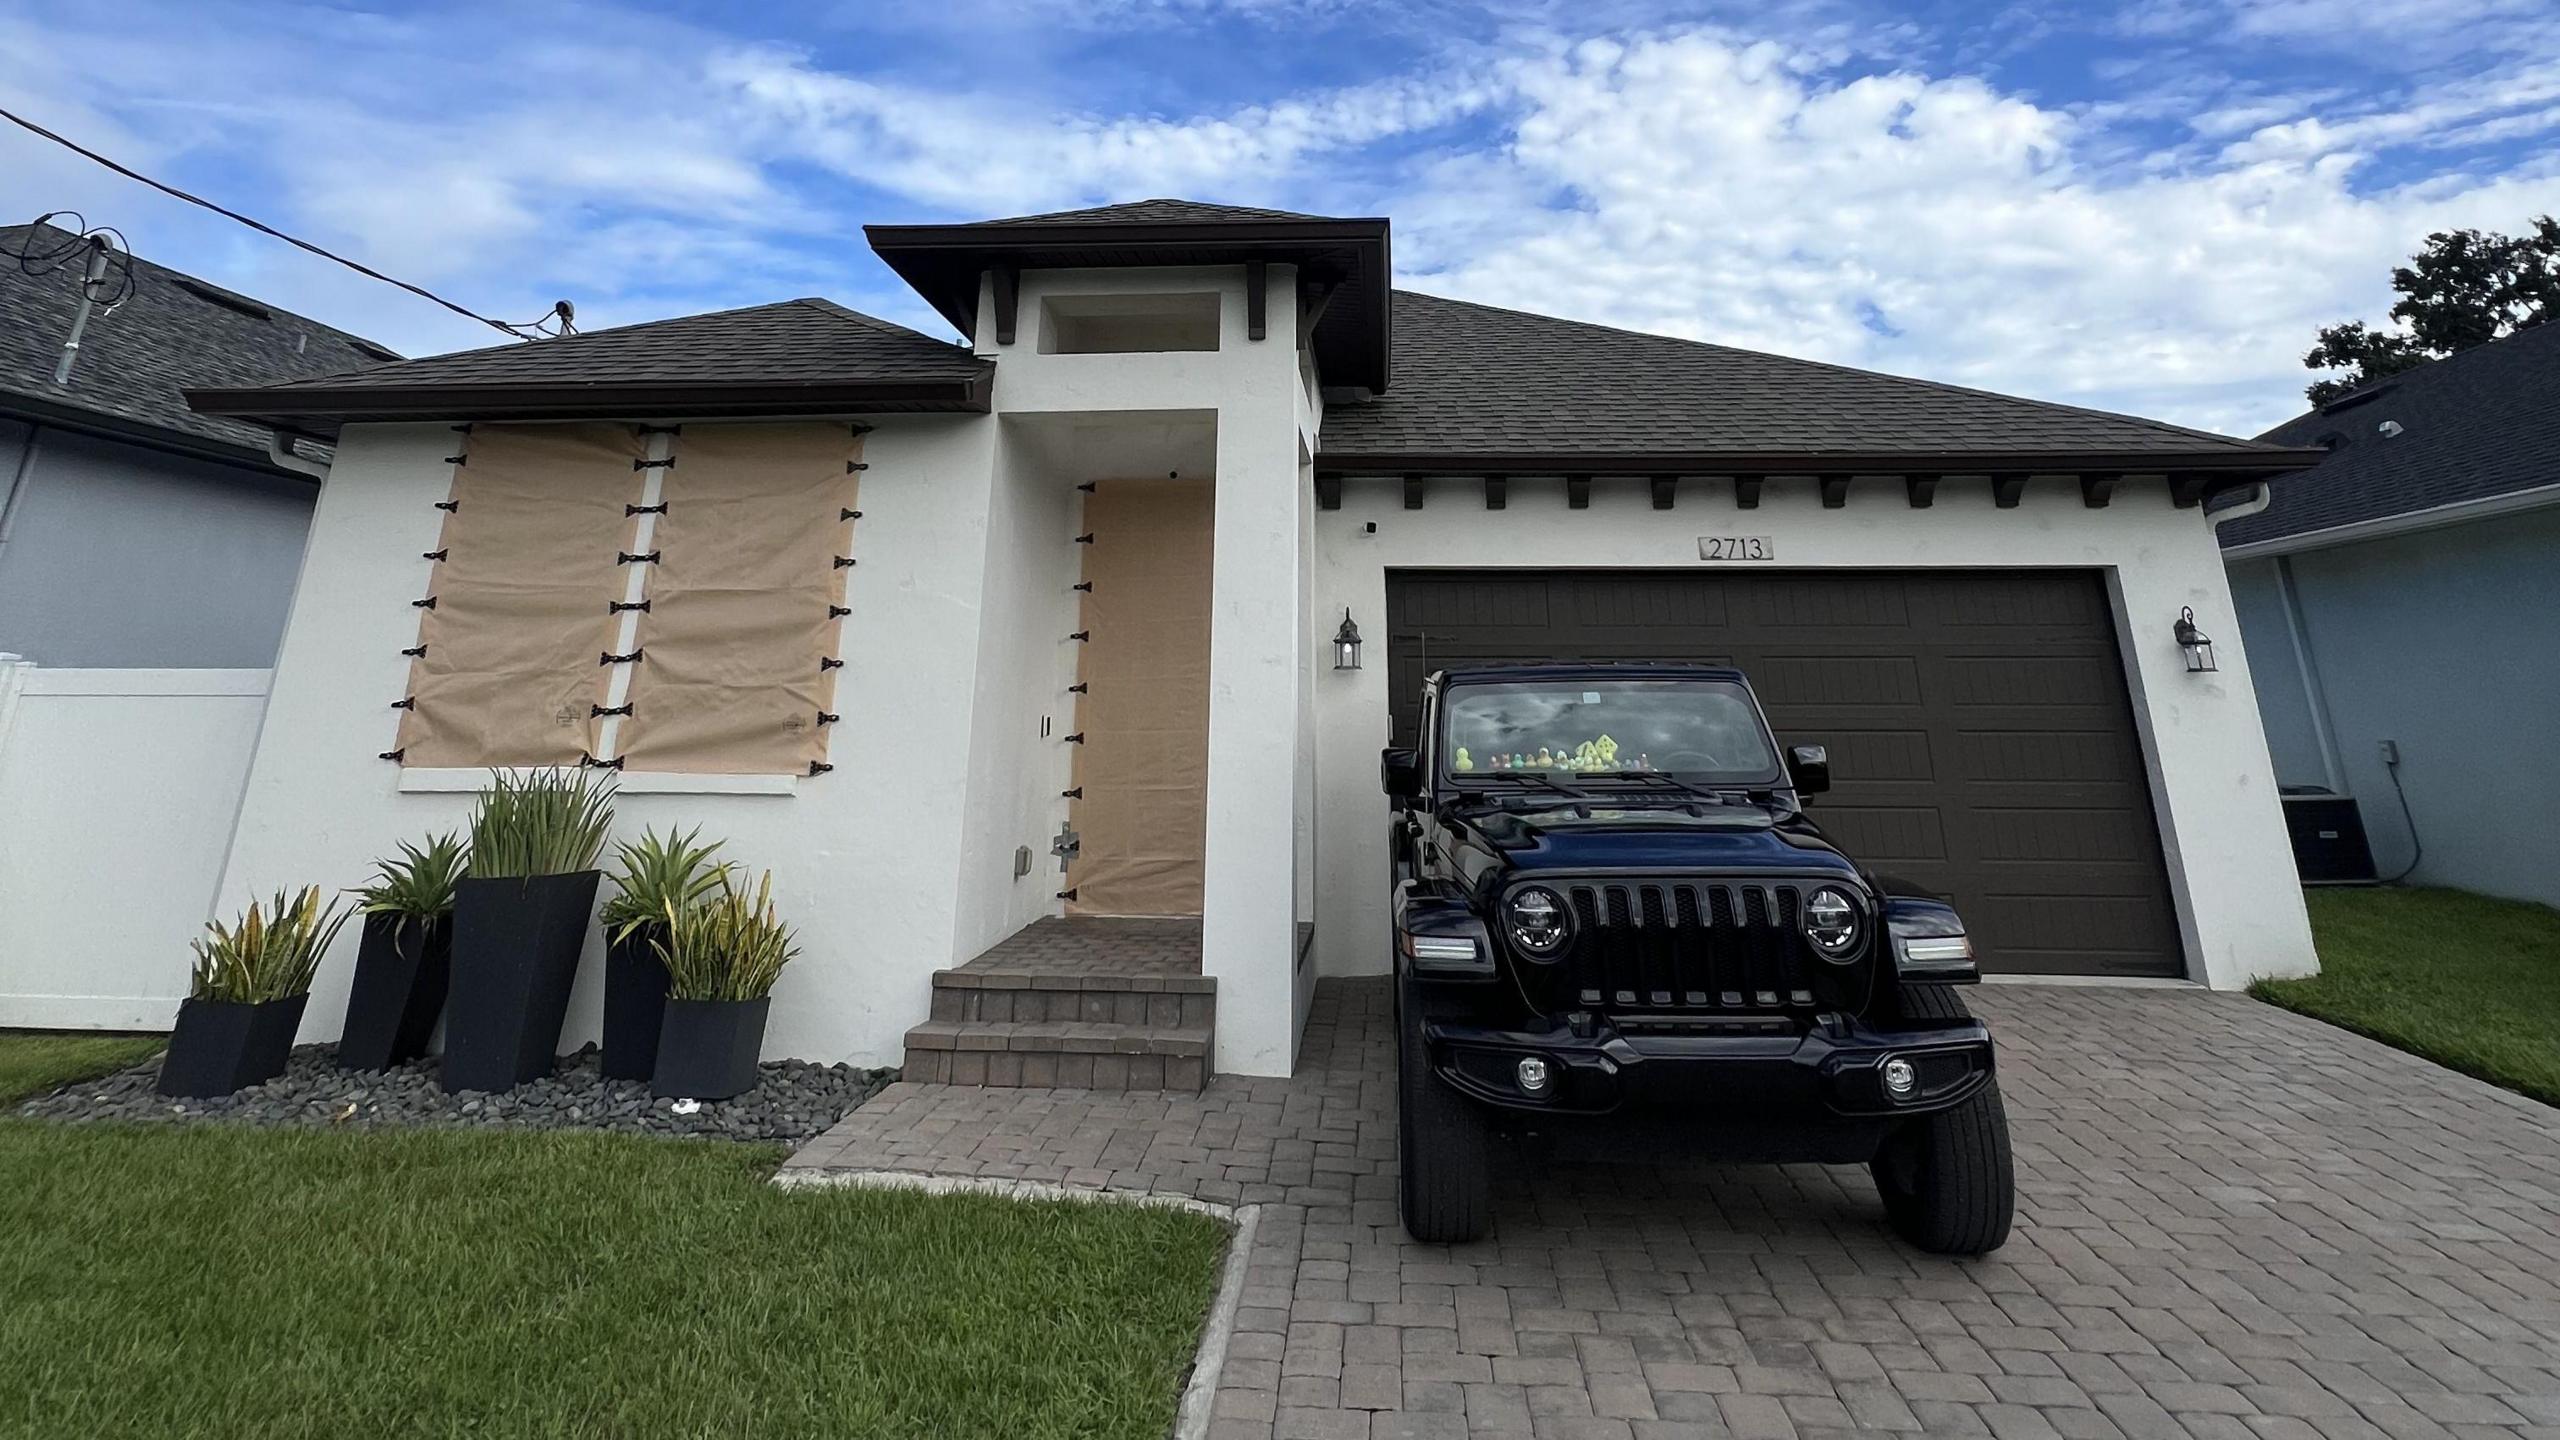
<point x="731" y="681"/>
<point x="531" y="562"/>
<point x="1144" y="763"/>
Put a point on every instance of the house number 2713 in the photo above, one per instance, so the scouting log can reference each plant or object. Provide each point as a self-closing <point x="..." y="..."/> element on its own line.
<point x="1735" y="547"/>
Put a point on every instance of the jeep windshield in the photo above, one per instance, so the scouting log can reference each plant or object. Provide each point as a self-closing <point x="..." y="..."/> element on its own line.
<point x="1605" y="730"/>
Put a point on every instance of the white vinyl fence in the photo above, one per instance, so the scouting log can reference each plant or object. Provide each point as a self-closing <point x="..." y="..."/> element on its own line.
<point x="118" y="789"/>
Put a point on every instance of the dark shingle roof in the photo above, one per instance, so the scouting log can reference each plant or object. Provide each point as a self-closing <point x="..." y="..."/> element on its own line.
<point x="1152" y="212"/>
<point x="789" y="341"/>
<point x="2474" y="426"/>
<point x="172" y="331"/>
<point x="1474" y="379"/>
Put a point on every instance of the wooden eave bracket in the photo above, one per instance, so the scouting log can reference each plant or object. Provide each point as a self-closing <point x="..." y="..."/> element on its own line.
<point x="1835" y="492"/>
<point x="1257" y="285"/>
<point x="1497" y="492"/>
<point x="1922" y="489"/>
<point x="1666" y="489"/>
<point x="2188" y="491"/>
<point x="1328" y="492"/>
<point x="1413" y="492"/>
<point x="2006" y="490"/>
<point x="1746" y="491"/>
<point x="1008" y="300"/>
<point x="1577" y="492"/>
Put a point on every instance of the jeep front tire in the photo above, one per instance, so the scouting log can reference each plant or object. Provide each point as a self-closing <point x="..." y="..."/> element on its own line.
<point x="1946" y="1179"/>
<point x="1443" y="1149"/>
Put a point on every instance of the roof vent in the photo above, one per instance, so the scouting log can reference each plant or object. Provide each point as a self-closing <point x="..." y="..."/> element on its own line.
<point x="376" y="351"/>
<point x="223" y="298"/>
<point x="2390" y="429"/>
<point x="2361" y="397"/>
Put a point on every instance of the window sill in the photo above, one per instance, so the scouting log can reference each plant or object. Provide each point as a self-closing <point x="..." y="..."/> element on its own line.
<point x="638" y="782"/>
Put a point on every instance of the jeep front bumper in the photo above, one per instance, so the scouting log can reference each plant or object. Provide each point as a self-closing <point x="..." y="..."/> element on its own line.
<point x="1831" y="1072"/>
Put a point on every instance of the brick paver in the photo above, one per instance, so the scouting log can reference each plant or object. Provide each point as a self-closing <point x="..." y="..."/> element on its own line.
<point x="2233" y="1224"/>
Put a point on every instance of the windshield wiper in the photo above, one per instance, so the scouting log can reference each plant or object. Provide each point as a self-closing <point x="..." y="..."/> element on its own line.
<point x="1535" y="777"/>
<point x="1656" y="777"/>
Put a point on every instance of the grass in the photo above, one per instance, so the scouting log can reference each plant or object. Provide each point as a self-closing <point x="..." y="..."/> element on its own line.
<point x="217" y="1281"/>
<point x="2464" y="980"/>
<point x="33" y="1062"/>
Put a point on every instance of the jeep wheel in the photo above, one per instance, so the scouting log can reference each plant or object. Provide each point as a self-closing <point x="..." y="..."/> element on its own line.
<point x="1946" y="1178"/>
<point x="1441" y="1147"/>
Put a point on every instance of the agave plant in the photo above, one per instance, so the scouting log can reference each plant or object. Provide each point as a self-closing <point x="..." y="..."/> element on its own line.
<point x="658" y="873"/>
<point x="542" y="822"/>
<point x="270" y="954"/>
<point x="418" y="886"/>
<point x="726" y="947"/>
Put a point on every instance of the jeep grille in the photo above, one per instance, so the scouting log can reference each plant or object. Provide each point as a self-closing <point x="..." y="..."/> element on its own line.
<point x="1680" y="946"/>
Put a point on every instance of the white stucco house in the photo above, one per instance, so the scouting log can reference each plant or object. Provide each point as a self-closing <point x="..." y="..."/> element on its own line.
<point x="1055" y="639"/>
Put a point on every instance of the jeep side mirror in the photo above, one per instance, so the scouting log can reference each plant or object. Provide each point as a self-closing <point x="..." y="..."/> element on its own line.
<point x="1809" y="768"/>
<point x="1400" y="772"/>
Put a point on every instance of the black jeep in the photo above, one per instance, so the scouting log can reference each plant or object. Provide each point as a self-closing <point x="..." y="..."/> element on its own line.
<point x="1616" y="925"/>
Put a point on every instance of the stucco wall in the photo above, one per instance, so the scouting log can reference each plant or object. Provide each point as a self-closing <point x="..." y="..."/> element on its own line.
<point x="122" y="556"/>
<point x="2448" y="643"/>
<point x="2213" y="787"/>
<point x="865" y="859"/>
<point x="2286" y="680"/>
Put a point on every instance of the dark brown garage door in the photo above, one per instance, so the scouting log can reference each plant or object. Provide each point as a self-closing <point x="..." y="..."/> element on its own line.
<point x="1981" y="741"/>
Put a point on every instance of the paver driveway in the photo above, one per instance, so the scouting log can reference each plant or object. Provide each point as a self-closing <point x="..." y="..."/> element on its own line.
<point x="2233" y="1222"/>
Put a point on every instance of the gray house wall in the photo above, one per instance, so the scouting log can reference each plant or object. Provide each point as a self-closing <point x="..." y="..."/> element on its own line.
<point x="116" y="555"/>
<point x="2447" y="642"/>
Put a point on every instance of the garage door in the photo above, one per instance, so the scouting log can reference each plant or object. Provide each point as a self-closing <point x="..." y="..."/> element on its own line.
<point x="1981" y="740"/>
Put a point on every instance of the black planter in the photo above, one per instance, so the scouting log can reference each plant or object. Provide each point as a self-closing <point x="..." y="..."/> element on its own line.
<point x="515" y="956"/>
<point x="635" y="1000"/>
<point x="220" y="1047"/>
<point x="401" y="969"/>
<point x="707" y="1048"/>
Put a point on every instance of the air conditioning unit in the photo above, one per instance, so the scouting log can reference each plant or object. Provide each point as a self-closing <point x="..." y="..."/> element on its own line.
<point x="2328" y="837"/>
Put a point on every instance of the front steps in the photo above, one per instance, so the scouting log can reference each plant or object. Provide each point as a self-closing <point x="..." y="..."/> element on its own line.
<point x="1053" y="1008"/>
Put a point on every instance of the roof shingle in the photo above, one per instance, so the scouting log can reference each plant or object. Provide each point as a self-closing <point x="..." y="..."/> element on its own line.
<point x="2473" y="426"/>
<point x="1478" y="379"/>
<point x="171" y="332"/>
<point x="1160" y="211"/>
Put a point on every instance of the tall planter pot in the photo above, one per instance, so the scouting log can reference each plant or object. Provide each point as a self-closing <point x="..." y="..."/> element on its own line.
<point x="403" y="964"/>
<point x="635" y="1003"/>
<point x="516" y="943"/>
<point x="220" y="1046"/>
<point x="707" y="1049"/>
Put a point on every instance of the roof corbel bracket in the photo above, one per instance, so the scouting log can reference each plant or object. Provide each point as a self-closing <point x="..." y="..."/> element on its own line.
<point x="2188" y="491"/>
<point x="1257" y="286"/>
<point x="2097" y="490"/>
<point x="1835" y="491"/>
<point x="1746" y="491"/>
<point x="1413" y="492"/>
<point x="1328" y="492"/>
<point x="1666" y="488"/>
<point x="1577" y="492"/>
<point x="1314" y="296"/>
<point x="1922" y="489"/>
<point x="1008" y="300"/>
<point x="1497" y="492"/>
<point x="2005" y="490"/>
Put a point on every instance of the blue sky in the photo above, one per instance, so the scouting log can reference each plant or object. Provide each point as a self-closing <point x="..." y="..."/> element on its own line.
<point x="2143" y="205"/>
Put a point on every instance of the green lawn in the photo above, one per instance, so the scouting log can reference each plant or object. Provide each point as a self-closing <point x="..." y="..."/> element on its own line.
<point x="2464" y="980"/>
<point x="35" y="1061"/>
<point x="220" y="1281"/>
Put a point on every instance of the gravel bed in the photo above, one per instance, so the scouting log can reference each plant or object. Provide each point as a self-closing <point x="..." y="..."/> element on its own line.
<point x="794" y="1101"/>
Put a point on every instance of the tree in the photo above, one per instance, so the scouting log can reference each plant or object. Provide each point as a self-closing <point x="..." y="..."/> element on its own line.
<point x="2466" y="288"/>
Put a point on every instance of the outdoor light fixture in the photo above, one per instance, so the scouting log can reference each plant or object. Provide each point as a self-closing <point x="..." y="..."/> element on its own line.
<point x="2197" y="644"/>
<point x="1346" y="644"/>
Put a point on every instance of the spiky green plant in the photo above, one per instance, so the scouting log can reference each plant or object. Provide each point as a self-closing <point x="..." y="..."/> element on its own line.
<point x="657" y="872"/>
<point x="540" y="822"/>
<point x="270" y="954"/>
<point x="727" y="947"/>
<point x="417" y="886"/>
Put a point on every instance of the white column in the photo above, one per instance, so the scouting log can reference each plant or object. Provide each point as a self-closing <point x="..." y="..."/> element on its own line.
<point x="1257" y="604"/>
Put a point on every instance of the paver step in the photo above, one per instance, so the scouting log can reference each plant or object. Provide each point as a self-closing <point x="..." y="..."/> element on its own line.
<point x="1077" y="1054"/>
<point x="1020" y="997"/>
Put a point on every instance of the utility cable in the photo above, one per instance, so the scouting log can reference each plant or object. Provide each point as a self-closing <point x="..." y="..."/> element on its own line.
<point x="23" y="123"/>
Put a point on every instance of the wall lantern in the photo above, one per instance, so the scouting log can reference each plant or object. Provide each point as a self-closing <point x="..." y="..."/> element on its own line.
<point x="2197" y="644"/>
<point x="1346" y="644"/>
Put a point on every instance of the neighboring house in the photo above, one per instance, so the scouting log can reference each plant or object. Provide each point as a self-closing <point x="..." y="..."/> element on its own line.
<point x="2405" y="593"/>
<point x="901" y="620"/>
<point x="133" y="531"/>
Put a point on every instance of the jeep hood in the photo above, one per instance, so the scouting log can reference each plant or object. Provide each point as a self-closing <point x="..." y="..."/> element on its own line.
<point x="1709" y="839"/>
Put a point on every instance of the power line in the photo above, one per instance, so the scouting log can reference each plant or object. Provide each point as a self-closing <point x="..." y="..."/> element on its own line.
<point x="517" y="331"/>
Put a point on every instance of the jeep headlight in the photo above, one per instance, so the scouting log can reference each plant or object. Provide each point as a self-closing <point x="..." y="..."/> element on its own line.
<point x="1538" y="922"/>
<point x="1831" y="923"/>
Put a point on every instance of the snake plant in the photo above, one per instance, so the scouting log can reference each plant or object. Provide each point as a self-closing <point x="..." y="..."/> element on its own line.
<point x="270" y="954"/>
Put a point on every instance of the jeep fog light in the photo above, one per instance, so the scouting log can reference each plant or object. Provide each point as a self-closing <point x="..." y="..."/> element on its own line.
<point x="1900" y="1080"/>
<point x="1535" y="1077"/>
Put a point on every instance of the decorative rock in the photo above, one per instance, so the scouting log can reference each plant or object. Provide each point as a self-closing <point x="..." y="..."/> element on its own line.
<point x="794" y="1100"/>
